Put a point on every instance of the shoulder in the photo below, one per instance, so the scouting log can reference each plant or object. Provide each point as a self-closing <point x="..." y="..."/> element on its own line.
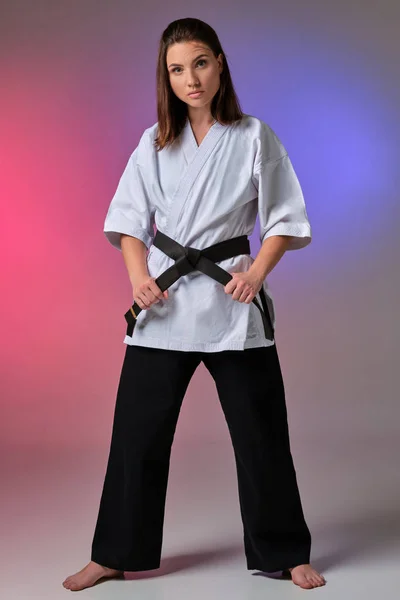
<point x="255" y="126"/>
<point x="148" y="135"/>
<point x="145" y="146"/>
<point x="151" y="132"/>
<point x="265" y="141"/>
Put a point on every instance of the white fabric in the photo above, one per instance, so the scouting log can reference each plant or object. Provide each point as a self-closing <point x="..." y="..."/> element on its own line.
<point x="201" y="195"/>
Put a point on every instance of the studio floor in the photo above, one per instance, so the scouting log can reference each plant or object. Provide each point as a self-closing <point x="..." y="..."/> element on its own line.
<point x="350" y="492"/>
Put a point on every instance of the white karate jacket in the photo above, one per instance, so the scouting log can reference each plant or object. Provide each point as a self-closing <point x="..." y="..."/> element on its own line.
<point x="201" y="195"/>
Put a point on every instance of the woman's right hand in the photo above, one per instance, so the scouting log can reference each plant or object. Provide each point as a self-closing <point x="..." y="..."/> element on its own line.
<point x="146" y="292"/>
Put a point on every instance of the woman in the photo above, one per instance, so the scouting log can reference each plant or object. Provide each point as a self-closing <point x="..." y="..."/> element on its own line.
<point x="202" y="173"/>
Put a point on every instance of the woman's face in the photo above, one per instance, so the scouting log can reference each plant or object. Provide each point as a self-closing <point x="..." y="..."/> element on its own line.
<point x="193" y="67"/>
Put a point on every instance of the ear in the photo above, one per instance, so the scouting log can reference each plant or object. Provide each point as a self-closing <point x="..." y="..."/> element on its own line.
<point x="221" y="62"/>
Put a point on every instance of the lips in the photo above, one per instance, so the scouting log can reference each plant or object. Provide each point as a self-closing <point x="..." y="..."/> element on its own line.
<point x="195" y="93"/>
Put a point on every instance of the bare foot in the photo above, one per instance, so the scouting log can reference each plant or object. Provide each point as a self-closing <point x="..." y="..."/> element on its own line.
<point x="88" y="576"/>
<point x="306" y="577"/>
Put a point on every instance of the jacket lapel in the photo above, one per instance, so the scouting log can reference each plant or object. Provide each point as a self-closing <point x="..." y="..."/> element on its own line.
<point x="195" y="156"/>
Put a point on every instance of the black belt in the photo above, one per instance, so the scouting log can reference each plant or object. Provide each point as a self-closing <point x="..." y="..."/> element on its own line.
<point x="189" y="259"/>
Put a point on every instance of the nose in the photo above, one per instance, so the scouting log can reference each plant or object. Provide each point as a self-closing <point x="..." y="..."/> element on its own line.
<point x="193" y="81"/>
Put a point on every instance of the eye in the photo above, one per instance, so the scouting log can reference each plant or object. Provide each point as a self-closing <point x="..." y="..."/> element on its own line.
<point x="202" y="60"/>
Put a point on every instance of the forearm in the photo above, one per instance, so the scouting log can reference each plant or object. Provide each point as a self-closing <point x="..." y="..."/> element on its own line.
<point x="269" y="255"/>
<point x="134" y="254"/>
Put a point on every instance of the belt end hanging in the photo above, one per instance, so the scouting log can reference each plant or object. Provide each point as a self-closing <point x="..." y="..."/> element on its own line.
<point x="131" y="317"/>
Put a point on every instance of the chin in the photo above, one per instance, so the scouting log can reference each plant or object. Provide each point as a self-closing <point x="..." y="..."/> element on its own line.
<point x="196" y="102"/>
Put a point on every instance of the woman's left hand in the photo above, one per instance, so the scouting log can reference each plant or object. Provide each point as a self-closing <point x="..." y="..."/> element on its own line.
<point x="243" y="286"/>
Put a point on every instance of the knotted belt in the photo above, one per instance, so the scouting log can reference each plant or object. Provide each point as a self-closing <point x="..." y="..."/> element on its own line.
<point x="188" y="259"/>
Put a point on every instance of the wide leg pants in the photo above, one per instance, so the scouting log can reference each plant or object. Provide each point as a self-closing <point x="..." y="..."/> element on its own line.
<point x="129" y="529"/>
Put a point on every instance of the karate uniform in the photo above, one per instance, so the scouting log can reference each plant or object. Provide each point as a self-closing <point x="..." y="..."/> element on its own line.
<point x="200" y="196"/>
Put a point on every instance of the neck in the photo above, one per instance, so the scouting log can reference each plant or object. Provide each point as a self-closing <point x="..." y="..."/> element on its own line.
<point x="200" y="117"/>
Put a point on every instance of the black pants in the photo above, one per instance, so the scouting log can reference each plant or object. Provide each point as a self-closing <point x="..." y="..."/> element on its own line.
<point x="129" y="529"/>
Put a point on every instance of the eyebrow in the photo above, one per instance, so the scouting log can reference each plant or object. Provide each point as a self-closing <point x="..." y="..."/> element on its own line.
<point x="194" y="60"/>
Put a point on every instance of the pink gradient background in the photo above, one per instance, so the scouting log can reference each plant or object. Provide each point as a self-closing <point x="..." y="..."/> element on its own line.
<point x="78" y="89"/>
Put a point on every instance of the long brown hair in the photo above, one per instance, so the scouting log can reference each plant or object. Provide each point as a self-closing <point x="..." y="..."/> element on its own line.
<point x="172" y="112"/>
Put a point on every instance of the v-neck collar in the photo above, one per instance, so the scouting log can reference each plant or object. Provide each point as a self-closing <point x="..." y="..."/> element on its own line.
<point x="195" y="156"/>
<point x="189" y="144"/>
<point x="196" y="145"/>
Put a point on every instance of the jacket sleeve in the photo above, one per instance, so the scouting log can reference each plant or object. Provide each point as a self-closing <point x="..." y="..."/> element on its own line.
<point x="130" y="211"/>
<point x="281" y="206"/>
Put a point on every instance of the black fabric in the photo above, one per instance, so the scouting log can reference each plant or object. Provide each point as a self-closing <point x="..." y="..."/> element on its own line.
<point x="129" y="528"/>
<point x="189" y="259"/>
